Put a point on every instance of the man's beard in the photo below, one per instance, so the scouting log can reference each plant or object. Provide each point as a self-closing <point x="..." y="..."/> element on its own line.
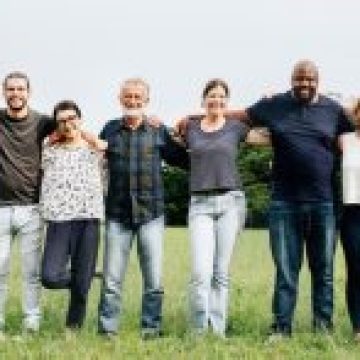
<point x="304" y="99"/>
<point x="16" y="108"/>
<point x="133" y="112"/>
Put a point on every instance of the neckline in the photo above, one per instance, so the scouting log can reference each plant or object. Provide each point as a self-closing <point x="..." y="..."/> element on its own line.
<point x="213" y="131"/>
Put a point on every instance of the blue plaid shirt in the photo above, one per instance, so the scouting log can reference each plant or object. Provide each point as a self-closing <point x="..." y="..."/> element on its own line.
<point x="135" y="191"/>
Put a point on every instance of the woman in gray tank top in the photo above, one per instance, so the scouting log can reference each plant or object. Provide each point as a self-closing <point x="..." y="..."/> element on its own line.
<point x="217" y="206"/>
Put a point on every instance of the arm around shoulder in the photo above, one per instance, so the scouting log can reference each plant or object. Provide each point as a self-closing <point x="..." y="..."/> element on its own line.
<point x="258" y="136"/>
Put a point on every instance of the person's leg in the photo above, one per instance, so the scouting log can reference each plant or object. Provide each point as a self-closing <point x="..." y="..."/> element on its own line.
<point x="286" y="243"/>
<point x="350" y="237"/>
<point x="150" y="250"/>
<point x="84" y="248"/>
<point x="202" y="243"/>
<point x="54" y="271"/>
<point x="118" y="240"/>
<point x="231" y="215"/>
<point x="320" y="247"/>
<point x="5" y="241"/>
<point x="30" y="231"/>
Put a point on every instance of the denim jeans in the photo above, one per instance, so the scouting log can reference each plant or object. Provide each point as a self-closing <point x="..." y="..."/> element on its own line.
<point x="350" y="238"/>
<point x="214" y="221"/>
<point x="118" y="242"/>
<point x="24" y="223"/>
<point x="292" y="224"/>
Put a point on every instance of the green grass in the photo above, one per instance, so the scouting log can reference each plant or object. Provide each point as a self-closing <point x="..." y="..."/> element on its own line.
<point x="249" y="315"/>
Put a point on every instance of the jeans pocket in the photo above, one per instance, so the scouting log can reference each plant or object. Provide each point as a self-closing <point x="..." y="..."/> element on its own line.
<point x="198" y="204"/>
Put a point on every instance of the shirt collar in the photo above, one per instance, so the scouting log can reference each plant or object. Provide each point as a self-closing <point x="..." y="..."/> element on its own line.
<point x="143" y="126"/>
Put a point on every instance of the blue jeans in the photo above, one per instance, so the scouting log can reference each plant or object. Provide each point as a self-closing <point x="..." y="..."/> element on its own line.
<point x="118" y="242"/>
<point x="214" y="221"/>
<point x="291" y="225"/>
<point x="26" y="223"/>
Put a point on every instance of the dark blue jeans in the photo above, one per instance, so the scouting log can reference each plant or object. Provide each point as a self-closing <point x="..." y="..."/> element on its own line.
<point x="291" y="225"/>
<point x="350" y="237"/>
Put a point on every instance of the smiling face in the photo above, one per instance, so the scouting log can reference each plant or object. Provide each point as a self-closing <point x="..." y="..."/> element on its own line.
<point x="215" y="100"/>
<point x="16" y="93"/>
<point x="305" y="81"/>
<point x="68" y="124"/>
<point x="133" y="98"/>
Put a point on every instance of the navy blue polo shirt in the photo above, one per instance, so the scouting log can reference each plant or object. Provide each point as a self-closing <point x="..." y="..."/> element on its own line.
<point x="304" y="144"/>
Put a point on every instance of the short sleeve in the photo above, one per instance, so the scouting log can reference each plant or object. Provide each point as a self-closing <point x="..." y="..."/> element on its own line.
<point x="45" y="157"/>
<point x="257" y="112"/>
<point x="345" y="125"/>
<point x="103" y="134"/>
<point x="242" y="128"/>
<point x="47" y="126"/>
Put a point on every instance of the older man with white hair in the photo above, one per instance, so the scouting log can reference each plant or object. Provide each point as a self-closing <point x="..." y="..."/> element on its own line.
<point x="135" y="205"/>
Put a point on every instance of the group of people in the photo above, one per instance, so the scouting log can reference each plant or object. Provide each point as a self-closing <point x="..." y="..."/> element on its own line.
<point x="52" y="170"/>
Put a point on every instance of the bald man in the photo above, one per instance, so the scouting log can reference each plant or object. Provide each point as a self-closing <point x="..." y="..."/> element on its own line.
<point x="304" y="126"/>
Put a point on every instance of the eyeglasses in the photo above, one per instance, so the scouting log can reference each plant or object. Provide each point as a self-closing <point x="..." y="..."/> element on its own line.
<point x="67" y="118"/>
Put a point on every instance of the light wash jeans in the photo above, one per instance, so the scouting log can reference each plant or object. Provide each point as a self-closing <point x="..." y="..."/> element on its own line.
<point x="214" y="221"/>
<point x="23" y="222"/>
<point x="118" y="242"/>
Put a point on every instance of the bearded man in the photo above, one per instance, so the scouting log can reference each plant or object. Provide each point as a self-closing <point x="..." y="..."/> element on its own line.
<point x="22" y="131"/>
<point x="135" y="205"/>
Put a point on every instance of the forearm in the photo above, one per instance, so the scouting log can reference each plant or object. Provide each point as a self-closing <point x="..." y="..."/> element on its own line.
<point x="94" y="141"/>
<point x="258" y="136"/>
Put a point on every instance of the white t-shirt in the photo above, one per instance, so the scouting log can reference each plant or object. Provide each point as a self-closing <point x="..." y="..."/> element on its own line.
<point x="351" y="168"/>
<point x="72" y="185"/>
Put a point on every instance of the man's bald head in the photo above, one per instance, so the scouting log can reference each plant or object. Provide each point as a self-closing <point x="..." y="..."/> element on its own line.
<point x="303" y="65"/>
<point x="305" y="80"/>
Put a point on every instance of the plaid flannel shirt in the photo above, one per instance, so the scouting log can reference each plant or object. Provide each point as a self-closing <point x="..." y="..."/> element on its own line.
<point x="135" y="187"/>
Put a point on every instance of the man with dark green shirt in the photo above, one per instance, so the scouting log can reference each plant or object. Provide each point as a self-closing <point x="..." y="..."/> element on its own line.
<point x="21" y="133"/>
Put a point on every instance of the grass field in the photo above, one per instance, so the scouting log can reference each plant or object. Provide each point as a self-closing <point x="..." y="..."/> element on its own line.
<point x="249" y="315"/>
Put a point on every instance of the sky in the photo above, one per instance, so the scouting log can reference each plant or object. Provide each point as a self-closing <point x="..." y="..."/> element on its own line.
<point x="84" y="49"/>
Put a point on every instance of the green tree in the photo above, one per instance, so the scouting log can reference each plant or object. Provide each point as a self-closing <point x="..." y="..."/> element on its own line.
<point x="254" y="167"/>
<point x="255" y="170"/>
<point x="176" y="195"/>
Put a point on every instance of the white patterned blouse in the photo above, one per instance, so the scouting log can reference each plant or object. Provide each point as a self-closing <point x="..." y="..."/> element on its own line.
<point x="71" y="184"/>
